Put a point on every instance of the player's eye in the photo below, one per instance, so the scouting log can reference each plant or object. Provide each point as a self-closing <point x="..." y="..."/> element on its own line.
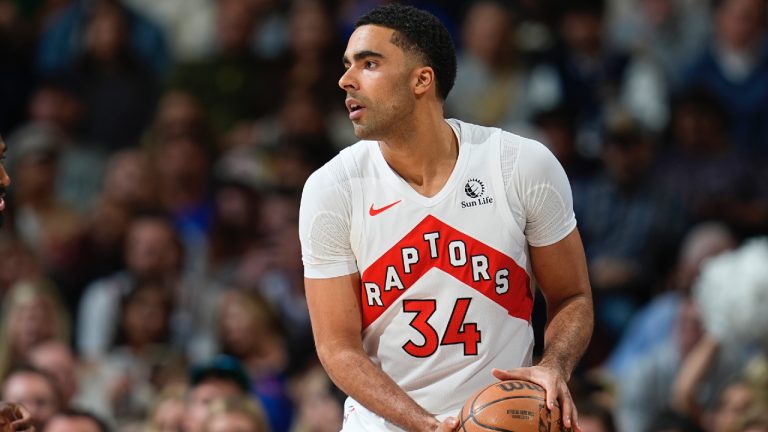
<point x="370" y="64"/>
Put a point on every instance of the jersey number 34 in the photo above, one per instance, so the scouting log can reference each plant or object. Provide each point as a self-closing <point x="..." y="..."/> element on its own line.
<point x="457" y="331"/>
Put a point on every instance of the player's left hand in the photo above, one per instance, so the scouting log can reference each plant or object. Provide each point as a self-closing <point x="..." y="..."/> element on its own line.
<point x="555" y="387"/>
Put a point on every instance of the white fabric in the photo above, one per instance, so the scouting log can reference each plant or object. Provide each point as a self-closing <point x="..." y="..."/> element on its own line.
<point x="462" y="252"/>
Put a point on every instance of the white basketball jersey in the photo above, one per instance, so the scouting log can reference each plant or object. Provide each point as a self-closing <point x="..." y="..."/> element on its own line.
<point x="446" y="291"/>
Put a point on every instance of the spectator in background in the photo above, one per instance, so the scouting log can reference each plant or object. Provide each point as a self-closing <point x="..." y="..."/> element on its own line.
<point x="240" y="414"/>
<point x="128" y="184"/>
<point x="282" y="286"/>
<point x="734" y="403"/>
<point x="55" y="105"/>
<point x="152" y="253"/>
<point x="220" y="378"/>
<point x="235" y="229"/>
<point x="56" y="358"/>
<point x="187" y="24"/>
<point x="591" y="79"/>
<point x="296" y="158"/>
<point x="141" y="360"/>
<point x="654" y="325"/>
<point x="310" y="61"/>
<point x="302" y="132"/>
<point x="557" y="130"/>
<point x="62" y="41"/>
<point x="168" y="411"/>
<point x="74" y="420"/>
<point x="735" y="68"/>
<point x="706" y="172"/>
<point x="179" y="113"/>
<point x="127" y="192"/>
<point x="45" y="223"/>
<point x="319" y="407"/>
<point x="628" y="225"/>
<point x="492" y="81"/>
<point x="234" y="83"/>
<point x="645" y="389"/>
<point x="18" y="262"/>
<point x="108" y="70"/>
<point x="671" y="32"/>
<point x="35" y="390"/>
<point x="182" y="167"/>
<point x="77" y="381"/>
<point x="32" y="314"/>
<point x="251" y="332"/>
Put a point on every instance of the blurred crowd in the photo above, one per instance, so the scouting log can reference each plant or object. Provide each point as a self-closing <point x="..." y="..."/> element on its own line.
<point x="150" y="267"/>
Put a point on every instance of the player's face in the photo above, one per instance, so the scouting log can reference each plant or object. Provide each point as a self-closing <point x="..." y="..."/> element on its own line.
<point x="5" y="181"/>
<point x="379" y="82"/>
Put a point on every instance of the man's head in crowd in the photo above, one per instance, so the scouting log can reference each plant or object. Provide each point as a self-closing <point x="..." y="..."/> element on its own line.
<point x="221" y="378"/>
<point x="35" y="390"/>
<point x="75" y="420"/>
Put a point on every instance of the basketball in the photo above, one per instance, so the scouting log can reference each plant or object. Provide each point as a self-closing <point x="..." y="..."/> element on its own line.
<point x="514" y="406"/>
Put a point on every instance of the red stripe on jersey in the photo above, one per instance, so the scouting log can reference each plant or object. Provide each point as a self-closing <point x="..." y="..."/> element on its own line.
<point x="446" y="244"/>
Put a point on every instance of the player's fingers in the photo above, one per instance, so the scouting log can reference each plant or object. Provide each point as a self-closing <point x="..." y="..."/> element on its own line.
<point x="448" y="425"/>
<point x="536" y="376"/>
<point x="503" y="375"/>
<point x="568" y="408"/>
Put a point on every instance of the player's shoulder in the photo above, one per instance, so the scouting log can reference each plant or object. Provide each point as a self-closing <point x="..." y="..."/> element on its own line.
<point x="483" y="134"/>
<point x="513" y="146"/>
<point x="341" y="169"/>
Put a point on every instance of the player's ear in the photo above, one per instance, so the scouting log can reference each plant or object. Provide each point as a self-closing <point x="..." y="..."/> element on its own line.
<point x="425" y="79"/>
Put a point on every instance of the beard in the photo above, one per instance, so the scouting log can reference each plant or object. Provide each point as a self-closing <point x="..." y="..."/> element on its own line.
<point x="385" y="118"/>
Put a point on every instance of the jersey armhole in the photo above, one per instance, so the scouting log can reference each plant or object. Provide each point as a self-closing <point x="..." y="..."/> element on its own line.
<point x="356" y="213"/>
<point x="504" y="171"/>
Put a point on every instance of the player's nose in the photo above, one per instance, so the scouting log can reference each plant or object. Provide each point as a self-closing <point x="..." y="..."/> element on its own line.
<point x="347" y="80"/>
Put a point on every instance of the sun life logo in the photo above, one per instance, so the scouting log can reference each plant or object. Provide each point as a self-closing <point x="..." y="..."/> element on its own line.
<point x="474" y="188"/>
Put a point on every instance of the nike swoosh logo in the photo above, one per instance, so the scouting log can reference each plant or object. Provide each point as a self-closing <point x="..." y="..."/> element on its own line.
<point x="373" y="212"/>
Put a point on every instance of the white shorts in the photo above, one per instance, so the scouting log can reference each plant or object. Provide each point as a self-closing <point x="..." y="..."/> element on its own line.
<point x="357" y="418"/>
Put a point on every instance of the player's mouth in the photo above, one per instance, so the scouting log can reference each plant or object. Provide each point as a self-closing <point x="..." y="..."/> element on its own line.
<point x="355" y="109"/>
<point x="2" y="201"/>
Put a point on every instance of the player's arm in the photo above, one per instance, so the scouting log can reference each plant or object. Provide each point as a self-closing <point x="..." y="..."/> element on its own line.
<point x="561" y="273"/>
<point x="334" y="309"/>
<point x="559" y="267"/>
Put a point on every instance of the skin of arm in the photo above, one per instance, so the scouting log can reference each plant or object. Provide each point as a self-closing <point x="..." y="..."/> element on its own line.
<point x="334" y="309"/>
<point x="693" y="369"/>
<point x="561" y="273"/>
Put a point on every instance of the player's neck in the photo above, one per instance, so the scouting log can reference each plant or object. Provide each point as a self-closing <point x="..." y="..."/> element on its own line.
<point x="426" y="156"/>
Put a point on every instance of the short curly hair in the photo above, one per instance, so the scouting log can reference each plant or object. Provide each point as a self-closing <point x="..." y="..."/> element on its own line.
<point x="421" y="33"/>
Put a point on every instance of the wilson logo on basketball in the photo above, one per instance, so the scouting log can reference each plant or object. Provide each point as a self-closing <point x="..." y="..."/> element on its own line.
<point x="513" y="405"/>
<point x="475" y="189"/>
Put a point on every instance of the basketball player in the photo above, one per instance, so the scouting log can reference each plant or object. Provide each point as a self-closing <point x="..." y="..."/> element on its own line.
<point x="13" y="417"/>
<point x="421" y="243"/>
